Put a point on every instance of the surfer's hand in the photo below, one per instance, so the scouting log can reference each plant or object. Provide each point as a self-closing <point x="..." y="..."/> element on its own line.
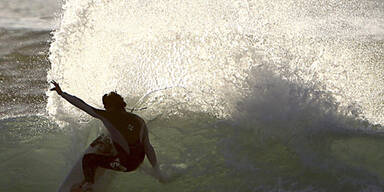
<point x="162" y="179"/>
<point x="56" y="88"/>
<point x="157" y="173"/>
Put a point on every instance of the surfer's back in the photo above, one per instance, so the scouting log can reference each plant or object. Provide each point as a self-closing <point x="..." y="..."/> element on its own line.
<point x="128" y="124"/>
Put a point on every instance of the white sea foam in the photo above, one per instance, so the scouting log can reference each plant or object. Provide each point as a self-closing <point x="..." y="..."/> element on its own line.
<point x="204" y="50"/>
<point x="200" y="53"/>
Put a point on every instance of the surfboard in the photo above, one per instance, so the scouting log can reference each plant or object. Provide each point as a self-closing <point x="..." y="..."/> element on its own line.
<point x="101" y="145"/>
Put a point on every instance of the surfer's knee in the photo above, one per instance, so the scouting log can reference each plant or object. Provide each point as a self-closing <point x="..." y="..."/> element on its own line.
<point x="88" y="159"/>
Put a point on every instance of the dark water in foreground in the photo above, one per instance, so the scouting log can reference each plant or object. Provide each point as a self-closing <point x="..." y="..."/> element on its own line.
<point x="201" y="154"/>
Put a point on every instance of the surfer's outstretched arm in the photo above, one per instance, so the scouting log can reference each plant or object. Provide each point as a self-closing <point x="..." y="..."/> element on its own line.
<point x="76" y="101"/>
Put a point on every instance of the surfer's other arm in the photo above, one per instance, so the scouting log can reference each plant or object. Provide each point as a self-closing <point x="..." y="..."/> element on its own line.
<point x="151" y="155"/>
<point x="75" y="101"/>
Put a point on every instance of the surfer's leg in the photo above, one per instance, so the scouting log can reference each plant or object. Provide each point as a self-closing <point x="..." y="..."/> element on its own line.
<point x="91" y="161"/>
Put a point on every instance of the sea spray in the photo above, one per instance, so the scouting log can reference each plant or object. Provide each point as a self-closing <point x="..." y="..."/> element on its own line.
<point x="206" y="50"/>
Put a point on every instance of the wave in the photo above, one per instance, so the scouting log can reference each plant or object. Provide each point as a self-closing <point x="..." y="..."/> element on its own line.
<point x="283" y="137"/>
<point x="292" y="137"/>
<point x="239" y="95"/>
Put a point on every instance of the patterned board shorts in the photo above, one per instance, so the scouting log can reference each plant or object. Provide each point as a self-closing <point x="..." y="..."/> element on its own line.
<point x="103" y="145"/>
<point x="114" y="158"/>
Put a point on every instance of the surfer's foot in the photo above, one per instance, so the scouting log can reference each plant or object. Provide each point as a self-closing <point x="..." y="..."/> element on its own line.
<point x="87" y="187"/>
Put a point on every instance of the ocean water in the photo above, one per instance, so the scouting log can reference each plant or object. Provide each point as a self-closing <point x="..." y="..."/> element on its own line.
<point x="238" y="95"/>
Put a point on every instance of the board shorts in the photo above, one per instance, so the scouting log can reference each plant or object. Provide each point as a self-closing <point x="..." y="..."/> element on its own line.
<point x="111" y="155"/>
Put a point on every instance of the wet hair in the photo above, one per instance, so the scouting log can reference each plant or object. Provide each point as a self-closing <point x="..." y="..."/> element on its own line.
<point x="114" y="100"/>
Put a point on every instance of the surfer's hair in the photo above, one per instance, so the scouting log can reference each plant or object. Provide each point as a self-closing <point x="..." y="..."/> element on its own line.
<point x="114" y="100"/>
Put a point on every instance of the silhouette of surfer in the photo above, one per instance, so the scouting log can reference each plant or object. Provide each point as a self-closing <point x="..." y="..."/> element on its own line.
<point x="129" y="135"/>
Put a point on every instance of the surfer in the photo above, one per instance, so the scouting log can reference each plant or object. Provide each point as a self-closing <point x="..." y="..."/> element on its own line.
<point x="129" y="136"/>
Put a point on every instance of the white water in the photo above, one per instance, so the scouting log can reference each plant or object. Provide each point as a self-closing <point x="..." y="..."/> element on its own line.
<point x="204" y="51"/>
